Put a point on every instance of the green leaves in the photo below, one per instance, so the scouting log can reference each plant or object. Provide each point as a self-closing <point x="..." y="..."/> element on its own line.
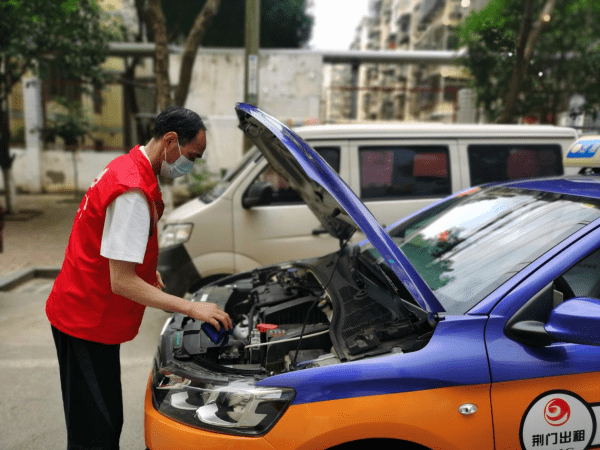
<point x="70" y="125"/>
<point x="491" y="16"/>
<point x="565" y="61"/>
<point x="37" y="33"/>
<point x="284" y="23"/>
<point x="69" y="6"/>
<point x="13" y="3"/>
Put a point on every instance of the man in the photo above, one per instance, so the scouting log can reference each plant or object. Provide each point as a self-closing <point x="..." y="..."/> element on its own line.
<point x="109" y="276"/>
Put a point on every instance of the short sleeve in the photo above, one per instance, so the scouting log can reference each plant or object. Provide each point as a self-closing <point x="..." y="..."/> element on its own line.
<point x="126" y="228"/>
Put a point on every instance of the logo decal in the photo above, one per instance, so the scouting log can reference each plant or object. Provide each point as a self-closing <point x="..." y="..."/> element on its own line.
<point x="557" y="412"/>
<point x="584" y="149"/>
<point x="558" y="420"/>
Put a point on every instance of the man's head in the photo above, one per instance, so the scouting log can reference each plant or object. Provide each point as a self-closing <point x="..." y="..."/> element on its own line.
<point x="178" y="132"/>
<point x="186" y="123"/>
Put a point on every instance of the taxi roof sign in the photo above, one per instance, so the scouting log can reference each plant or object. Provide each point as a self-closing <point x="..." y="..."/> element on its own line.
<point x="585" y="152"/>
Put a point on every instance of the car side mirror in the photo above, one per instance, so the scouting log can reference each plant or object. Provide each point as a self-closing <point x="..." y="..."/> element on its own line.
<point x="576" y="321"/>
<point x="258" y="194"/>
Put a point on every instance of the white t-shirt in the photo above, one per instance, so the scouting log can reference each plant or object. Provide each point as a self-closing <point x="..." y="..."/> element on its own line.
<point x="127" y="226"/>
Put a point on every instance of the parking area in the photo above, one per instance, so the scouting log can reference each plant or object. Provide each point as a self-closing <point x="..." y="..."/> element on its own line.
<point x="31" y="406"/>
<point x="30" y="372"/>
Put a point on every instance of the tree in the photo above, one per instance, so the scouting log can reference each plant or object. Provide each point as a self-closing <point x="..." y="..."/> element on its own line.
<point x="37" y="34"/>
<point x="157" y="22"/>
<point x="138" y="34"/>
<point x="284" y="23"/>
<point x="218" y="23"/>
<point x="529" y="58"/>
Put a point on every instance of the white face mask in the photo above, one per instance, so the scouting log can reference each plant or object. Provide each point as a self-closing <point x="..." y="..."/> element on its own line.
<point x="177" y="169"/>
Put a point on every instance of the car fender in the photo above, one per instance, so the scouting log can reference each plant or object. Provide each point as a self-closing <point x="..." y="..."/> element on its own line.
<point x="429" y="418"/>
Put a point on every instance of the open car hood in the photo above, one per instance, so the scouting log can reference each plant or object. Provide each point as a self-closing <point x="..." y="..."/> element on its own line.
<point x="338" y="209"/>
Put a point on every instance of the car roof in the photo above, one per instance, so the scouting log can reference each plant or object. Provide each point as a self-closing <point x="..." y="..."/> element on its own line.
<point x="431" y="130"/>
<point x="579" y="185"/>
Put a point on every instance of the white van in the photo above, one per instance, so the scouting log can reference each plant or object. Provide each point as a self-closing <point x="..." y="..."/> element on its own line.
<point x="252" y="218"/>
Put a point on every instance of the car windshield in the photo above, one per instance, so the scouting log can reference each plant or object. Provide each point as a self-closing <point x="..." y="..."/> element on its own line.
<point x="469" y="245"/>
<point x="250" y="156"/>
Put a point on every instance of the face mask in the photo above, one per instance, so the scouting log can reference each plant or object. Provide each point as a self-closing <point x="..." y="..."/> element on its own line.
<point x="177" y="169"/>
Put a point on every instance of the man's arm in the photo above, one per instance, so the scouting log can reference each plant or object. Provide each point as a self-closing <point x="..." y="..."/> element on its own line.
<point x="125" y="282"/>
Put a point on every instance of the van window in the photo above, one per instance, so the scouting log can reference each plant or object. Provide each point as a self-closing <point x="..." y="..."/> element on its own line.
<point x="331" y="155"/>
<point x="231" y="175"/>
<point x="489" y="163"/>
<point x="404" y="171"/>
<point x="282" y="192"/>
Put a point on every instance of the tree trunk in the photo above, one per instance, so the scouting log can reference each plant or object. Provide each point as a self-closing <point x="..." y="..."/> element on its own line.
<point x="202" y="23"/>
<point x="5" y="158"/>
<point x="528" y="37"/>
<point x="131" y="108"/>
<point x="9" y="191"/>
<point x="156" y="20"/>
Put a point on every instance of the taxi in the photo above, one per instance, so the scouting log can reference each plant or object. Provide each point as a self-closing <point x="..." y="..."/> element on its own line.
<point x="472" y="324"/>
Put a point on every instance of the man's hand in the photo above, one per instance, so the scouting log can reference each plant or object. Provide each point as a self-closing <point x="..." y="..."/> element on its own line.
<point x="209" y="312"/>
<point x="125" y="281"/>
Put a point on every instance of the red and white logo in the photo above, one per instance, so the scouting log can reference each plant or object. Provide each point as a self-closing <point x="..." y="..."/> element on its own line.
<point x="557" y="412"/>
<point x="558" y="419"/>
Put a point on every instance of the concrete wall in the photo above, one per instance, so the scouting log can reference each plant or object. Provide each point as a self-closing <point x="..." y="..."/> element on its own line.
<point x="217" y="85"/>
<point x="290" y="83"/>
<point x="57" y="169"/>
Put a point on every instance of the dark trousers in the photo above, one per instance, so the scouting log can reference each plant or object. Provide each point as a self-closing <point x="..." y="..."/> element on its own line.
<point x="90" y="378"/>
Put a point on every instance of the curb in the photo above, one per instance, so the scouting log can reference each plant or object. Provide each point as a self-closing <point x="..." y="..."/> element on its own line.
<point x="15" y="279"/>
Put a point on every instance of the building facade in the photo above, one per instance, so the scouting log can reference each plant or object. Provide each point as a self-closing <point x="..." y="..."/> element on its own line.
<point x="405" y="91"/>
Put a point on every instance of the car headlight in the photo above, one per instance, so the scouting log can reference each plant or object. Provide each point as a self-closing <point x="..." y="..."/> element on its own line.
<point x="238" y="407"/>
<point x="174" y="234"/>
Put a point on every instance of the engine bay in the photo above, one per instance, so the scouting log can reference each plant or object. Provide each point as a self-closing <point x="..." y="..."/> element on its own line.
<point x="290" y="317"/>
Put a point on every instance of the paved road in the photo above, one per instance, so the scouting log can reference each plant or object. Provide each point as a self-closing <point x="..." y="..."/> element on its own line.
<point x="41" y="239"/>
<point x="30" y="404"/>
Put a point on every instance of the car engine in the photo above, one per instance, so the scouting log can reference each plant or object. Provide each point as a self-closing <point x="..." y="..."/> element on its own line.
<point x="286" y="319"/>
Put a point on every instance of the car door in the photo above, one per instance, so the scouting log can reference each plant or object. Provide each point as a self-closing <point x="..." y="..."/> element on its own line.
<point x="395" y="178"/>
<point x="546" y="396"/>
<point x="285" y="229"/>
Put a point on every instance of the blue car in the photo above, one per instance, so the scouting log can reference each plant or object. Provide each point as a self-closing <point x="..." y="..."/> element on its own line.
<point x="472" y="324"/>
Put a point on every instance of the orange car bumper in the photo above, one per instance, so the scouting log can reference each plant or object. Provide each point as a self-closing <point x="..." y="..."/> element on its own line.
<point x="428" y="417"/>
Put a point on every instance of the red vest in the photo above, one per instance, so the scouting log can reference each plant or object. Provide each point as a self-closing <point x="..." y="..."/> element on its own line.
<point x="82" y="303"/>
